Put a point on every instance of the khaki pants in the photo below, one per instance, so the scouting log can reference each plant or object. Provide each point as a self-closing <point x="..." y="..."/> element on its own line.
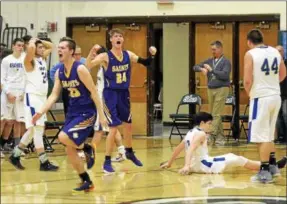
<point x="216" y="99"/>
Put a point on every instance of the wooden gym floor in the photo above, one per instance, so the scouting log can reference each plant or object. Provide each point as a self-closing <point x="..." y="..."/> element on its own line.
<point x="149" y="183"/>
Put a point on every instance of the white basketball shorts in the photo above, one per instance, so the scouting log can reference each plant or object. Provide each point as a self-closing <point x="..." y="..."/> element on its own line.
<point x="263" y="114"/>
<point x="218" y="164"/>
<point x="33" y="104"/>
<point x="12" y="111"/>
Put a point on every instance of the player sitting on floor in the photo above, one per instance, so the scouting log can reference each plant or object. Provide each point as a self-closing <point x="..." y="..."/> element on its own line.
<point x="197" y="159"/>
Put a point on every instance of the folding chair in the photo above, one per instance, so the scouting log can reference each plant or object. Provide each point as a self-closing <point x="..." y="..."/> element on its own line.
<point x="230" y="101"/>
<point x="244" y="119"/>
<point x="54" y="125"/>
<point x="186" y="119"/>
<point x="49" y="125"/>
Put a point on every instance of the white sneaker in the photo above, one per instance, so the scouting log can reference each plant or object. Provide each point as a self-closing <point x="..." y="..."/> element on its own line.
<point x="82" y="155"/>
<point x="2" y="155"/>
<point x="119" y="158"/>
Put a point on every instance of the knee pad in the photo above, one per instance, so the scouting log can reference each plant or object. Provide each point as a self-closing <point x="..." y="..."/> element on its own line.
<point x="38" y="137"/>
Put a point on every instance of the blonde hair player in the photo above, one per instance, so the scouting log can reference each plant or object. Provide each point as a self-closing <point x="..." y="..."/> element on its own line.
<point x="98" y="129"/>
<point x="116" y="96"/>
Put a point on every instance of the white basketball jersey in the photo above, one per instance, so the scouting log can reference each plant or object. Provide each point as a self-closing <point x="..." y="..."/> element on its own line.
<point x="100" y="79"/>
<point x="266" y="63"/>
<point x="37" y="80"/>
<point x="200" y="153"/>
<point x="12" y="73"/>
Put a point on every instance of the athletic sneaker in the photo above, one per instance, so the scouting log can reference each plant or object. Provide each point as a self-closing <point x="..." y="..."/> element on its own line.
<point x="274" y="170"/>
<point x="262" y="176"/>
<point x="48" y="166"/>
<point x="282" y="162"/>
<point x="85" y="187"/>
<point x="131" y="156"/>
<point x="90" y="155"/>
<point x="119" y="158"/>
<point x="15" y="161"/>
<point x="82" y="155"/>
<point x="107" y="167"/>
<point x="2" y="155"/>
<point x="7" y="148"/>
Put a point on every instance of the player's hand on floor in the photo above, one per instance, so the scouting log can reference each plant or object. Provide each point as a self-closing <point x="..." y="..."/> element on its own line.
<point x="165" y="165"/>
<point x="36" y="117"/>
<point x="184" y="171"/>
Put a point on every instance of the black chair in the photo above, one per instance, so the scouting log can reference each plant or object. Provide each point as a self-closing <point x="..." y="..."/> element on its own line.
<point x="244" y="119"/>
<point x="230" y="101"/>
<point x="184" y="120"/>
<point x="54" y="125"/>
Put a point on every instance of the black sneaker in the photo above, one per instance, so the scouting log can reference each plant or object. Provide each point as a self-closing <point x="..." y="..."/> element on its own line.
<point x="84" y="187"/>
<point x="282" y="162"/>
<point x="15" y="161"/>
<point x="48" y="166"/>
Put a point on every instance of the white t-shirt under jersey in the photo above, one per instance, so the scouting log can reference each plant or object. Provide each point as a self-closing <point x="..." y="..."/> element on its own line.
<point x="37" y="80"/>
<point x="12" y="73"/>
<point x="266" y="61"/>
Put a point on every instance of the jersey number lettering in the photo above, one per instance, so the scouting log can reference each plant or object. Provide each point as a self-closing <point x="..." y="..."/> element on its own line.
<point x="121" y="77"/>
<point x="44" y="74"/>
<point x="266" y="68"/>
<point x="187" y="144"/>
<point x="74" y="92"/>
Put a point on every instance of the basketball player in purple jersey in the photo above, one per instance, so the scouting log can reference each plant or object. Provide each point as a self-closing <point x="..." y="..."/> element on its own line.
<point x="76" y="79"/>
<point x="116" y="96"/>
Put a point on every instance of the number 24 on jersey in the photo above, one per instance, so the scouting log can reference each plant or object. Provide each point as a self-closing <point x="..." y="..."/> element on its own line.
<point x="121" y="77"/>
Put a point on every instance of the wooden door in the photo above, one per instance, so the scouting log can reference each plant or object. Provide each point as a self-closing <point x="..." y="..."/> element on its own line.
<point x="87" y="39"/>
<point x="270" y="38"/>
<point x="135" y="40"/>
<point x="204" y="36"/>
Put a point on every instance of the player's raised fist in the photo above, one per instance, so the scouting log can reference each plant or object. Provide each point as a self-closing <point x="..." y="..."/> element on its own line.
<point x="96" y="47"/>
<point x="152" y="50"/>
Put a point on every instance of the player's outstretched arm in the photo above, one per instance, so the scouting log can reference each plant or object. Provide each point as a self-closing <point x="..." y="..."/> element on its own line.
<point x="145" y="62"/>
<point x="248" y="72"/>
<point x="28" y="60"/>
<point x="51" y="100"/>
<point x="282" y="71"/>
<point x="49" y="48"/>
<point x="87" y="80"/>
<point x="192" y="146"/>
<point x="174" y="155"/>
